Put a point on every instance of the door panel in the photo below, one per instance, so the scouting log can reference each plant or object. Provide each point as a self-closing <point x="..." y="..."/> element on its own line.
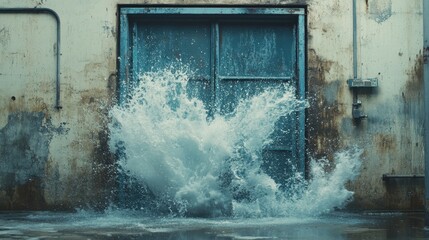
<point x="252" y="58"/>
<point x="229" y="58"/>
<point x="164" y="45"/>
<point x="183" y="46"/>
<point x="256" y="50"/>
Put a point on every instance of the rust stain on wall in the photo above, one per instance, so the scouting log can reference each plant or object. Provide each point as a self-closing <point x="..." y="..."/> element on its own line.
<point x="385" y="143"/>
<point x="412" y="111"/>
<point x="414" y="85"/>
<point x="323" y="134"/>
<point x="404" y="151"/>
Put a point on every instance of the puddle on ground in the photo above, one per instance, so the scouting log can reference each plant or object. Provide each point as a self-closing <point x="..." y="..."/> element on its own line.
<point x="121" y="224"/>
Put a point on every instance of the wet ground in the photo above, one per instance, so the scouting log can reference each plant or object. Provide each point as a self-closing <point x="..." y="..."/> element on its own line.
<point x="132" y="225"/>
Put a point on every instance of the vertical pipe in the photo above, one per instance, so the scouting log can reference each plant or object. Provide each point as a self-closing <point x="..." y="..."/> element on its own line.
<point x="354" y="41"/>
<point x="426" y="98"/>
<point x="58" y="53"/>
<point x="355" y="105"/>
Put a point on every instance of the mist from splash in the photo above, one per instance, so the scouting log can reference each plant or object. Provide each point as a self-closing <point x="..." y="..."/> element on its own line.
<point x="200" y="166"/>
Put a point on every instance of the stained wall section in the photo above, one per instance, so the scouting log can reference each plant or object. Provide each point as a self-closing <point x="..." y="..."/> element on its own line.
<point x="56" y="159"/>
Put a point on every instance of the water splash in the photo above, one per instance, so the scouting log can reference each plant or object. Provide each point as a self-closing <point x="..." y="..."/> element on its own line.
<point x="324" y="192"/>
<point x="200" y="166"/>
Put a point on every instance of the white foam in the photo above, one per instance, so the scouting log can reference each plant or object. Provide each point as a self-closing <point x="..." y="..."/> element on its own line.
<point x="170" y="145"/>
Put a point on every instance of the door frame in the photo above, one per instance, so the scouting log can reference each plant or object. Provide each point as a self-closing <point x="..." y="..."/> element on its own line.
<point x="126" y="55"/>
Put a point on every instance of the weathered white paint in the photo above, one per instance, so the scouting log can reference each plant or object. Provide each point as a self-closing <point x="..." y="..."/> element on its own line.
<point x="27" y="58"/>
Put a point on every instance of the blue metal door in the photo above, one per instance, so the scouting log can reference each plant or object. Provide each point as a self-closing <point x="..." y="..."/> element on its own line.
<point x="233" y="53"/>
<point x="162" y="44"/>
<point x="251" y="57"/>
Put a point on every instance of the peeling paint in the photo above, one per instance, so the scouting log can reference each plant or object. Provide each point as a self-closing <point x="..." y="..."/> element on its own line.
<point x="109" y="29"/>
<point x="379" y="10"/>
<point x="24" y="151"/>
<point x="4" y="36"/>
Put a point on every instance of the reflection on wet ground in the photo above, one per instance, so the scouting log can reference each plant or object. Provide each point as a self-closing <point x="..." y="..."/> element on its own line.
<point x="132" y="225"/>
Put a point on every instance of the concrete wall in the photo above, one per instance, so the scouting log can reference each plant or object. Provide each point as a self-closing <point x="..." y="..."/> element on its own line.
<point x="59" y="159"/>
<point x="389" y="48"/>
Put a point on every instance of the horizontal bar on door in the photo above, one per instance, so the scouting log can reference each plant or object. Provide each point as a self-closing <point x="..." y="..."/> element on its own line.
<point x="277" y="148"/>
<point x="255" y="78"/>
<point x="212" y="11"/>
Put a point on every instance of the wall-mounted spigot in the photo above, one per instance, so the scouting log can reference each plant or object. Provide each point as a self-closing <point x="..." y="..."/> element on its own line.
<point x="357" y="111"/>
<point x="355" y="84"/>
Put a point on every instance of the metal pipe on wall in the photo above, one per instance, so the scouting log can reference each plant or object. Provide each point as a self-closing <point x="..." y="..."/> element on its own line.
<point x="57" y="20"/>
<point x="354" y="41"/>
<point x="357" y="83"/>
<point x="426" y="98"/>
<point x="355" y="95"/>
